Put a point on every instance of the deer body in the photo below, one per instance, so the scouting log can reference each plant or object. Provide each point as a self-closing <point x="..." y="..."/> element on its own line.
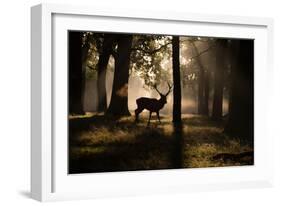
<point x="151" y="104"/>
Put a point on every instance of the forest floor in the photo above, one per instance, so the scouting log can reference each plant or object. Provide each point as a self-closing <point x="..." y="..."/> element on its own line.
<point x="101" y="144"/>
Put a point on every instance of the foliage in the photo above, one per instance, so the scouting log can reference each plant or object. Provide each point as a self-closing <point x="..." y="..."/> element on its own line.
<point x="151" y="57"/>
<point x="150" y="54"/>
<point x="90" y="43"/>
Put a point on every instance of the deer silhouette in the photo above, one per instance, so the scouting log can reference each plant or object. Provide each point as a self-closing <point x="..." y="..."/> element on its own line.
<point x="152" y="104"/>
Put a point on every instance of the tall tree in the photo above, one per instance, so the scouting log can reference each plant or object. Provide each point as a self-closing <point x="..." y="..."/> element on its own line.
<point x="203" y="83"/>
<point x="119" y="98"/>
<point x="75" y="74"/>
<point x="176" y="80"/>
<point x="86" y="45"/>
<point x="200" y="97"/>
<point x="241" y="111"/>
<point x="104" y="56"/>
<point x="219" y="78"/>
<point x="205" y="105"/>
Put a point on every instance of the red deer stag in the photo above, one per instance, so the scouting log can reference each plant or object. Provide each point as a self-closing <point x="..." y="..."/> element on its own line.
<point x="152" y="104"/>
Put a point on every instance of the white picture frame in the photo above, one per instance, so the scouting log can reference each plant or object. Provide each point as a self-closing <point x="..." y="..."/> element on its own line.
<point x="49" y="179"/>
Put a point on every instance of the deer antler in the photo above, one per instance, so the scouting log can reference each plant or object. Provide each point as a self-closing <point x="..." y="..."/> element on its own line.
<point x="155" y="87"/>
<point x="170" y="88"/>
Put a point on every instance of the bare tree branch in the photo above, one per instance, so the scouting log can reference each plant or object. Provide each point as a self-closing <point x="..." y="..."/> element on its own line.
<point x="91" y="67"/>
<point x="114" y="53"/>
<point x="202" y="52"/>
<point x="194" y="40"/>
<point x="152" y="51"/>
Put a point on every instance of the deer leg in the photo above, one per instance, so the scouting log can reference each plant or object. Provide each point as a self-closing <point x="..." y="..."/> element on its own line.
<point x="149" y="118"/>
<point x="136" y="115"/>
<point x="137" y="112"/>
<point x="158" y="117"/>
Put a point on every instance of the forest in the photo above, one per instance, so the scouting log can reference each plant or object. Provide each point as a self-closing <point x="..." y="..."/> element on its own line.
<point x="149" y="101"/>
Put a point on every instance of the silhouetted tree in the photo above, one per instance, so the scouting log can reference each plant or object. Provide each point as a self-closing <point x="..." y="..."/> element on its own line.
<point x="203" y="84"/>
<point x="104" y="56"/>
<point x="220" y="67"/>
<point x="119" y="99"/>
<point x="75" y="74"/>
<point x="206" y="93"/>
<point x="176" y="80"/>
<point x="241" y="111"/>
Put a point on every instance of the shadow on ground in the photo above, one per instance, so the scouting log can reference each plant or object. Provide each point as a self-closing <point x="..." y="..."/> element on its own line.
<point x="102" y="144"/>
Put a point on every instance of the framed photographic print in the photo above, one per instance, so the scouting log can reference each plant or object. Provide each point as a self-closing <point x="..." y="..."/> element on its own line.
<point x="135" y="102"/>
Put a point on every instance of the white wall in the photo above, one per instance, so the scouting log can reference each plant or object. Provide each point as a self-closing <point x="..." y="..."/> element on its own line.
<point x="15" y="104"/>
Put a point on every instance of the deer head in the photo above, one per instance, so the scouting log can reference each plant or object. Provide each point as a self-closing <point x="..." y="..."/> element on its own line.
<point x="163" y="97"/>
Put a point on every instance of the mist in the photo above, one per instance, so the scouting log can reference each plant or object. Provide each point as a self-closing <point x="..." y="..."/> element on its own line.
<point x="136" y="89"/>
<point x="197" y="111"/>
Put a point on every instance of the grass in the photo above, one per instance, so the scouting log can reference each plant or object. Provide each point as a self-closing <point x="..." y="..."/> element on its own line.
<point x="101" y="144"/>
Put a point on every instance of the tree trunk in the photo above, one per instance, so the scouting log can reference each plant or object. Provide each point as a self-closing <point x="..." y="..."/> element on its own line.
<point x="119" y="99"/>
<point x="75" y="74"/>
<point x="202" y="87"/>
<point x="176" y="80"/>
<point x="102" y="65"/>
<point x="241" y="111"/>
<point x="206" y="94"/>
<point x="200" y="98"/>
<point x="85" y="54"/>
<point x="219" y="77"/>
